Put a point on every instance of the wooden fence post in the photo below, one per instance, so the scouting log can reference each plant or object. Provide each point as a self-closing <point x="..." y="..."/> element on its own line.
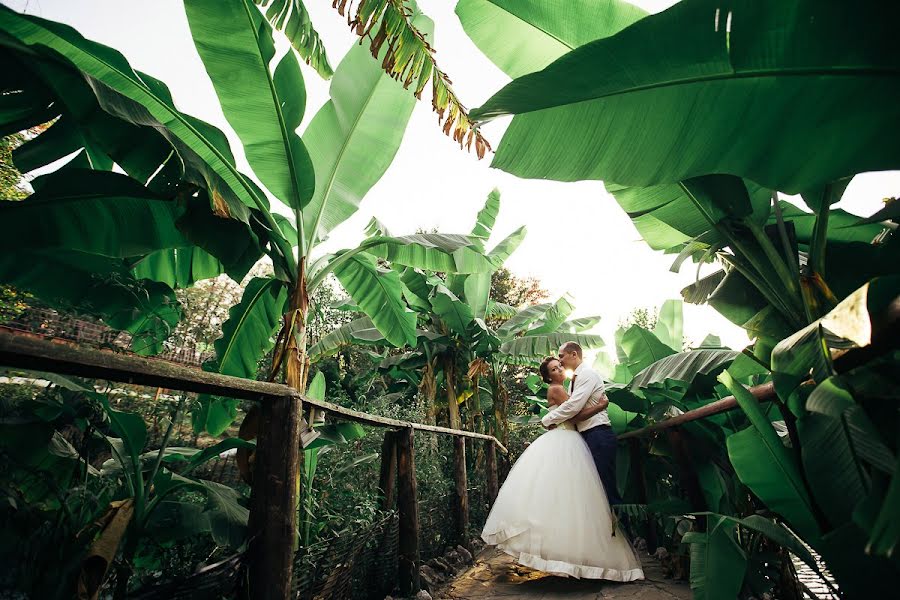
<point x="461" y="492"/>
<point x="273" y="499"/>
<point x="490" y="468"/>
<point x="408" y="507"/>
<point x="387" y="480"/>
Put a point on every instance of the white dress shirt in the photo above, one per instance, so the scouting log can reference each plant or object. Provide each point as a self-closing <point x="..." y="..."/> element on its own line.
<point x="588" y="391"/>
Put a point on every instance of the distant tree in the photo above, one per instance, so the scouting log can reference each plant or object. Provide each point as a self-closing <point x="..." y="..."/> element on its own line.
<point x="644" y="316"/>
<point x="508" y="288"/>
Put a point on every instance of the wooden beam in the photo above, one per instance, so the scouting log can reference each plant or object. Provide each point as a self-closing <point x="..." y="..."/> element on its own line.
<point x="387" y="480"/>
<point x="34" y="352"/>
<point x="408" y="507"/>
<point x="763" y="393"/>
<point x="490" y="467"/>
<point x="273" y="500"/>
<point x="461" y="492"/>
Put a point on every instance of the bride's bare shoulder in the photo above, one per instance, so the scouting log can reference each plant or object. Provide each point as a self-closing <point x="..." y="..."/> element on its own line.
<point x="556" y="390"/>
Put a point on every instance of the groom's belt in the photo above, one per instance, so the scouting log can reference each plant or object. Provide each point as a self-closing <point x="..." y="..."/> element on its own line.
<point x="601" y="426"/>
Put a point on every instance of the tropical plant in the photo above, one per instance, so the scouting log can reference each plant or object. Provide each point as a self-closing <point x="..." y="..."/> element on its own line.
<point x="134" y="500"/>
<point x="698" y="165"/>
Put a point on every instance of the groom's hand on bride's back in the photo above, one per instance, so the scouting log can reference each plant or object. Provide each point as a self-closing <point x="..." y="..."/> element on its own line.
<point x="549" y="427"/>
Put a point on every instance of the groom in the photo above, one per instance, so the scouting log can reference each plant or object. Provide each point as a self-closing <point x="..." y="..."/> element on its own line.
<point x="586" y="390"/>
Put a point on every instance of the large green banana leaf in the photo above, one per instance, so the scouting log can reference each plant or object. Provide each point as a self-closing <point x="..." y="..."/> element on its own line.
<point x="251" y="324"/>
<point x="142" y="100"/>
<point x="521" y="320"/>
<point x="379" y="294"/>
<point x="358" y="331"/>
<point x="831" y="466"/>
<point x="435" y="252"/>
<point x="99" y="286"/>
<point x="684" y="367"/>
<point x="551" y="321"/>
<point x="487" y="216"/>
<point x="265" y="109"/>
<point x="718" y="562"/>
<point x="354" y="137"/>
<point x="246" y="336"/>
<point x="670" y="325"/>
<point x="456" y="314"/>
<point x="850" y="323"/>
<point x="83" y="125"/>
<point x="178" y="267"/>
<point x="292" y="18"/>
<point x="98" y="212"/>
<point x="641" y="348"/>
<point x="523" y="36"/>
<point x="536" y="346"/>
<point x="748" y="87"/>
<point x="765" y="465"/>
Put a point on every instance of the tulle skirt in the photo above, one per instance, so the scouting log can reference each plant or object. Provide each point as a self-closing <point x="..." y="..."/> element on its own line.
<point x="552" y="514"/>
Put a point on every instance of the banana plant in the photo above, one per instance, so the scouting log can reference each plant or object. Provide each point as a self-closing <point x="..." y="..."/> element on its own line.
<point x="675" y="202"/>
<point x="194" y="183"/>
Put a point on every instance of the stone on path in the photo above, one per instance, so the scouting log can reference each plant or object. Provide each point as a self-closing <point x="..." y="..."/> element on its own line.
<point x="496" y="576"/>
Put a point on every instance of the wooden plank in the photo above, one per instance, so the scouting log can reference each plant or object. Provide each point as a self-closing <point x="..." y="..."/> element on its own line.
<point x="352" y="415"/>
<point x="28" y="351"/>
<point x="763" y="393"/>
<point x="273" y="517"/>
<point x="408" y="508"/>
<point x="461" y="492"/>
<point x="387" y="480"/>
<point x="33" y="352"/>
<point x="490" y="467"/>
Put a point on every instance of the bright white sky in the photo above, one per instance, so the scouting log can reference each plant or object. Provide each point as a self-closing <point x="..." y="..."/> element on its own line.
<point x="431" y="182"/>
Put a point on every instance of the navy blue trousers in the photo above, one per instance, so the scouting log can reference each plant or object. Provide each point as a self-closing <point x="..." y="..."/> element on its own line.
<point x="601" y="441"/>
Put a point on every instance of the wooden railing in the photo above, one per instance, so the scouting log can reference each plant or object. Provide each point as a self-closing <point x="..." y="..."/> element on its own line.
<point x="272" y="531"/>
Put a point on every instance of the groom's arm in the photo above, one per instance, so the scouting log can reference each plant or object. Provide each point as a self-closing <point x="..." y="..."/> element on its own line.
<point x="589" y="411"/>
<point x="575" y="403"/>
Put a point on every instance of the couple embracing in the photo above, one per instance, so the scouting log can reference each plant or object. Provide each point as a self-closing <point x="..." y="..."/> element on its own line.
<point x="553" y="512"/>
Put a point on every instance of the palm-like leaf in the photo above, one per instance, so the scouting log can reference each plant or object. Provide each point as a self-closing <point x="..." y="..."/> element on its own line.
<point x="353" y="139"/>
<point x="523" y="36"/>
<point x="100" y="286"/>
<point x="409" y="58"/>
<point x="534" y="346"/>
<point x="718" y="563"/>
<point x="97" y="212"/>
<point x="378" y="293"/>
<point x="764" y="465"/>
<point x="246" y="336"/>
<point x="263" y="107"/>
<point x="684" y="367"/>
<point x="292" y="18"/>
<point x="358" y="331"/>
<point x="143" y="100"/>
<point x="688" y="104"/>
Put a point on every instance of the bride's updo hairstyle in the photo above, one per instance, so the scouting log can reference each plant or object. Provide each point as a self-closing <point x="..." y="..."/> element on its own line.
<point x="545" y="368"/>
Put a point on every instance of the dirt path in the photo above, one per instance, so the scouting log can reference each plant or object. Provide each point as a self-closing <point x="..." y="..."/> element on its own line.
<point x="495" y="576"/>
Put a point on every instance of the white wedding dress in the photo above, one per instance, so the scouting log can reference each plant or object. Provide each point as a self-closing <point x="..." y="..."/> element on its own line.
<point x="552" y="513"/>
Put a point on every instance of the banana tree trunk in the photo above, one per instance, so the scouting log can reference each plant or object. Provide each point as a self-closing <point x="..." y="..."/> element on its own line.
<point x="450" y="385"/>
<point x="276" y="481"/>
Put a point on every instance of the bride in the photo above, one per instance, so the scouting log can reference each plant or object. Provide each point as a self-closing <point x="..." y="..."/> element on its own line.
<point x="552" y="513"/>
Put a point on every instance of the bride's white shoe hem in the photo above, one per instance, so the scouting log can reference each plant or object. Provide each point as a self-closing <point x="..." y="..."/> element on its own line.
<point x="556" y="567"/>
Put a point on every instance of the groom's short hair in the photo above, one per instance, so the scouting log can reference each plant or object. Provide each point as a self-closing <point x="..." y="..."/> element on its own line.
<point x="572" y="347"/>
